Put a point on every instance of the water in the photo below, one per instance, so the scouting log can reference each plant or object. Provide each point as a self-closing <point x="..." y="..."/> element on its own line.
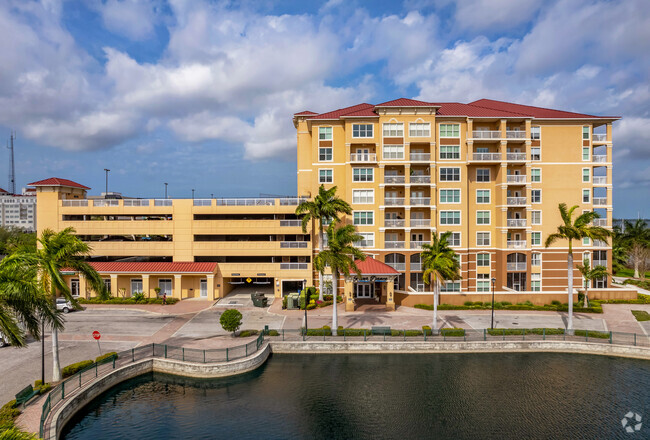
<point x="383" y="396"/>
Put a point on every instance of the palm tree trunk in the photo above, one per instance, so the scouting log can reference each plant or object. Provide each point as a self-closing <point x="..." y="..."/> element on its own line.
<point x="335" y="279"/>
<point x="586" y="304"/>
<point x="321" y="287"/>
<point x="636" y="268"/>
<point x="570" y="289"/>
<point x="435" y="307"/>
<point x="56" y="365"/>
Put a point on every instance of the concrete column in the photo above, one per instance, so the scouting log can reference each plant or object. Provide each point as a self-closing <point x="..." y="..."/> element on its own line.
<point x="210" y="287"/>
<point x="83" y="289"/>
<point x="146" y="289"/>
<point x="390" y="294"/>
<point x="178" y="292"/>
<point x="114" y="285"/>
<point x="348" y="294"/>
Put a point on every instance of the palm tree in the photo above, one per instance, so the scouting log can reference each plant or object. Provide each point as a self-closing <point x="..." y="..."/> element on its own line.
<point x="619" y="250"/>
<point x="440" y="265"/>
<point x="637" y="240"/>
<point x="56" y="251"/>
<point x="575" y="230"/>
<point x="326" y="206"/>
<point x="340" y="257"/>
<point x="589" y="273"/>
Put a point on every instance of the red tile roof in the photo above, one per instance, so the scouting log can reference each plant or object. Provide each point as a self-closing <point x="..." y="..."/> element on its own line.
<point x="370" y="266"/>
<point x="365" y="113"/>
<point x="459" y="109"/>
<point x="535" y="112"/>
<point x="336" y="114"/>
<point x="147" y="267"/>
<point x="55" y="181"/>
<point x="305" y="113"/>
<point x="405" y="102"/>
<point x="2" y="191"/>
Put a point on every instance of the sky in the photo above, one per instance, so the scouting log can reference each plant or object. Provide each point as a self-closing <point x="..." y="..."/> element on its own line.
<point x="200" y="94"/>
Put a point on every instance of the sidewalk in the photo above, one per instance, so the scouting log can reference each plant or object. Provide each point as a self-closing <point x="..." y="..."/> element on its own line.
<point x="181" y="307"/>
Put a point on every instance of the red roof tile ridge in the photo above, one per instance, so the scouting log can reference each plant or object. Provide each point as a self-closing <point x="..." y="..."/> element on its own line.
<point x="533" y="107"/>
<point x="58" y="181"/>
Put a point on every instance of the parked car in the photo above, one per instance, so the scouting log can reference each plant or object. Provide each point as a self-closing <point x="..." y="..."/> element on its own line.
<point x="64" y="305"/>
<point x="3" y="340"/>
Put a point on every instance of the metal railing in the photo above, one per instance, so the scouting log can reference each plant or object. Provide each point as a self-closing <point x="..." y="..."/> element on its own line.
<point x="394" y="223"/>
<point x="420" y="179"/>
<point x="600" y="200"/>
<point x="515" y="156"/>
<point x="416" y="267"/>
<point x="363" y="157"/>
<point x="394" y="244"/>
<point x="600" y="243"/>
<point x="515" y="134"/>
<point x="290" y="223"/>
<point x="600" y="222"/>
<point x="595" y="263"/>
<point x="294" y="244"/>
<point x="600" y="180"/>
<point x="97" y="370"/>
<point x="162" y="202"/>
<point x="394" y="179"/>
<point x="366" y="243"/>
<point x="136" y="202"/>
<point x="599" y="158"/>
<point x="246" y="202"/>
<point x="516" y="223"/>
<point x="516" y="178"/>
<point x="417" y="244"/>
<point x="515" y="266"/>
<point x="397" y="266"/>
<point x="292" y="201"/>
<point x="486" y="156"/>
<point x="517" y="201"/>
<point x="75" y="203"/>
<point x="394" y="201"/>
<point x="420" y="222"/>
<point x="420" y="200"/>
<point x="599" y="137"/>
<point x="486" y="134"/>
<point x="105" y="202"/>
<point x="294" y="266"/>
<point x="420" y="157"/>
<point x="202" y="202"/>
<point x="516" y="244"/>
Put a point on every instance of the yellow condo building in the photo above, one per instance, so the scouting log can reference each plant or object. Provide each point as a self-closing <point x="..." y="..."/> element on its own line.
<point x="491" y="172"/>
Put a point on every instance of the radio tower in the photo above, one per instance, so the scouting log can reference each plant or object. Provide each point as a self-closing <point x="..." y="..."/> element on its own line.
<point x="12" y="165"/>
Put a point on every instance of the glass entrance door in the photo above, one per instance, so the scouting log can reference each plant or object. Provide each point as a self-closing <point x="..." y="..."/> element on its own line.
<point x="364" y="290"/>
<point x="204" y="288"/>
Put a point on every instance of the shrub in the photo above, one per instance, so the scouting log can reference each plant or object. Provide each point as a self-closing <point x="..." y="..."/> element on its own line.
<point x="230" y="320"/>
<point x="468" y="303"/>
<point x="352" y="331"/>
<point x="311" y="306"/>
<point x="324" y="331"/>
<point x="427" y="330"/>
<point x="328" y="297"/>
<point x="8" y="414"/>
<point x="325" y="303"/>
<point x="592" y="334"/>
<point x="273" y="333"/>
<point x="284" y="302"/>
<point x="407" y="333"/>
<point x="452" y="331"/>
<point x="556" y="302"/>
<point x="477" y="303"/>
<point x="247" y="333"/>
<point x="506" y="303"/>
<point x="72" y="369"/>
<point x="106" y="356"/>
<point x="138" y="296"/>
<point x="641" y="315"/>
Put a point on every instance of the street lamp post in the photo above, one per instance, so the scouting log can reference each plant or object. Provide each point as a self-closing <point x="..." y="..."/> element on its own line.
<point x="304" y="282"/>
<point x="494" y="280"/>
<point x="165" y="189"/>
<point x="192" y="193"/>
<point x="106" y="170"/>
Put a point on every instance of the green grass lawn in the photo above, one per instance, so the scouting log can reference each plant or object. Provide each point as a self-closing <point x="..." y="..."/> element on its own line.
<point x="629" y="273"/>
<point x="641" y="315"/>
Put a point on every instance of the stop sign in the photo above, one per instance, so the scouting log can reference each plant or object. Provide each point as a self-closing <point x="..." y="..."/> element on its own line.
<point x="96" y="335"/>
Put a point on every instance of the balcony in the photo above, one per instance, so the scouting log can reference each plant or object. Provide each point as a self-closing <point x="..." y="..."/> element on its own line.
<point x="105" y="202"/>
<point x="600" y="201"/>
<point x="74" y="203"/>
<point x="516" y="134"/>
<point x="394" y="245"/>
<point x="398" y="266"/>
<point x="599" y="137"/>
<point x="516" y="244"/>
<point x="394" y="179"/>
<point x="420" y="157"/>
<point x="363" y="157"/>
<point x="486" y="134"/>
<point x="600" y="158"/>
<point x="486" y="157"/>
<point x="290" y="223"/>
<point x="394" y="201"/>
<point x="420" y="179"/>
<point x="420" y="223"/>
<point x="595" y="263"/>
<point x="294" y="266"/>
<point x="416" y="267"/>
<point x="600" y="180"/>
<point x="600" y="243"/>
<point x="202" y="202"/>
<point x="420" y="201"/>
<point x="162" y="202"/>
<point x="242" y="202"/>
<point x="602" y="222"/>
<point x="516" y="179"/>
<point x="515" y="157"/>
<point x="294" y="244"/>
<point x="516" y="201"/>
<point x="516" y="223"/>
<point x="516" y="267"/>
<point x="395" y="223"/>
<point x="366" y="243"/>
<point x="417" y="244"/>
<point x="136" y="202"/>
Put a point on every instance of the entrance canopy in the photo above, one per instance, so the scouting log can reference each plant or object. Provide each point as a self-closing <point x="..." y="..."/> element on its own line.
<point x="372" y="267"/>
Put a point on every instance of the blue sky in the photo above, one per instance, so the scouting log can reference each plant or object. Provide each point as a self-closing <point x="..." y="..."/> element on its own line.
<point x="200" y="94"/>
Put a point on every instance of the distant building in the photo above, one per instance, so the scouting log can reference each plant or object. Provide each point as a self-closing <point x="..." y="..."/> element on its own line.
<point x="18" y="210"/>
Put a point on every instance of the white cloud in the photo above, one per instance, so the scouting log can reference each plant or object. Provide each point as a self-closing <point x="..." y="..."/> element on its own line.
<point x="134" y="19"/>
<point x="491" y="15"/>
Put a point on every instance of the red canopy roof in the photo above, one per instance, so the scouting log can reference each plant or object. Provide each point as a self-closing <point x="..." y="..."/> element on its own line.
<point x="148" y="267"/>
<point x="373" y="267"/>
<point x="55" y="181"/>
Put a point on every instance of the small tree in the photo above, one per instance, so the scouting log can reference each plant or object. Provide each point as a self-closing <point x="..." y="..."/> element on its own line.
<point x="230" y="320"/>
<point x="157" y="290"/>
<point x="589" y="274"/>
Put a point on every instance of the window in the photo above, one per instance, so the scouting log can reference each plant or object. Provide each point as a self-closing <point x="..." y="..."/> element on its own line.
<point x="483" y="260"/>
<point x="482" y="196"/>
<point x="585" y="241"/>
<point x="363" y="218"/>
<point x="535" y="282"/>
<point x="362" y="131"/>
<point x="136" y="286"/>
<point x="585" y="133"/>
<point x="535" y="133"/>
<point x="482" y="282"/>
<point x="325" y="133"/>
<point x="535" y="153"/>
<point x="449" y="130"/>
<point x="449" y="196"/>
<point x="536" y="195"/>
<point x="454" y="240"/>
<point x="325" y="154"/>
<point x="449" y="152"/>
<point x="450" y="286"/>
<point x="585" y="195"/>
<point x="482" y="217"/>
<point x="535" y="175"/>
<point x="363" y="196"/>
<point x="368" y="239"/>
<point x="450" y="174"/>
<point x="535" y="217"/>
<point x="325" y="176"/>
<point x="393" y="151"/>
<point x="107" y="284"/>
<point x="393" y="129"/>
<point x="362" y="174"/>
<point x="482" y="238"/>
<point x="450" y="217"/>
<point x="536" y="238"/>
<point x="419" y="129"/>
<point x="585" y="153"/>
<point x="585" y="175"/>
<point x="535" y="259"/>
<point x="483" y="175"/>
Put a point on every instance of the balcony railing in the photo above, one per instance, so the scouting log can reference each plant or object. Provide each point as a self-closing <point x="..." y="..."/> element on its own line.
<point x="513" y="157"/>
<point x="486" y="134"/>
<point x="394" y="245"/>
<point x="516" y="201"/>
<point x="294" y="266"/>
<point x="202" y="202"/>
<point x="600" y="200"/>
<point x="516" y="178"/>
<point x="599" y="158"/>
<point x="394" y="223"/>
<point x="420" y="201"/>
<point x="294" y="244"/>
<point x="486" y="156"/>
<point x="420" y="222"/>
<point x="420" y="179"/>
<point x="516" y="244"/>
<point x="162" y="202"/>
<point x="515" y="266"/>
<point x="246" y="202"/>
<point x="516" y="223"/>
<point x="600" y="180"/>
<point x="75" y="203"/>
<point x="106" y="202"/>
<point x="394" y="179"/>
<point x="602" y="222"/>
<point x="394" y="201"/>
<point x="363" y="157"/>
<point x="417" y="244"/>
<point x="290" y="223"/>
<point x="515" y="134"/>
<point x="600" y="243"/>
<point x="366" y="243"/>
<point x="397" y="266"/>
<point x="595" y="263"/>
<point x="599" y="137"/>
<point x="292" y="201"/>
<point x="416" y="267"/>
<point x="420" y="157"/>
<point x="136" y="202"/>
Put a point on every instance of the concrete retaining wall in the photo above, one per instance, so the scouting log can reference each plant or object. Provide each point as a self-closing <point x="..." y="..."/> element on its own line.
<point x="459" y="347"/>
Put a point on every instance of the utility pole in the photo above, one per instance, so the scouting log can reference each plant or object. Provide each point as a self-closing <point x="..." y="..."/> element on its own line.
<point x="12" y="166"/>
<point x="165" y="189"/>
<point x="192" y="193"/>
<point x="106" y="170"/>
